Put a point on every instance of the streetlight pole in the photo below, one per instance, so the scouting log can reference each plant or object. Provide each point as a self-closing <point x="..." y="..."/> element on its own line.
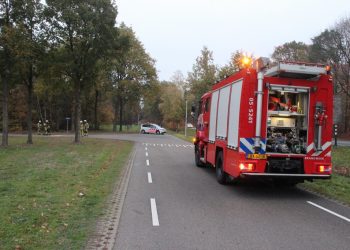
<point x="186" y="119"/>
<point x="67" y="119"/>
<point x="185" y="95"/>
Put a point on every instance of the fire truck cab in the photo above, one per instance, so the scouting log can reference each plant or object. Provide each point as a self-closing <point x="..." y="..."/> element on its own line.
<point x="271" y="123"/>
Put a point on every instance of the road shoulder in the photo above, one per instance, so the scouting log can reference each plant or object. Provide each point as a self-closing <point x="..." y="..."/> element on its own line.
<point x="105" y="233"/>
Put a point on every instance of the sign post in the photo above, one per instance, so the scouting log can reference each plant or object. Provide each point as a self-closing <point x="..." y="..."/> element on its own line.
<point x="335" y="131"/>
<point x="67" y="119"/>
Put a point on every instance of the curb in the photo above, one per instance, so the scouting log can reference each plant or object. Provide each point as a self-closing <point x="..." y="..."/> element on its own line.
<point x="105" y="234"/>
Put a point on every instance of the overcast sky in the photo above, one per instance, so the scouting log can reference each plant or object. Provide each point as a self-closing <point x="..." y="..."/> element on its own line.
<point x="174" y="32"/>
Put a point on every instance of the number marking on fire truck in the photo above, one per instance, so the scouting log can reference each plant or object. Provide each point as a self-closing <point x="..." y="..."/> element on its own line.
<point x="250" y="110"/>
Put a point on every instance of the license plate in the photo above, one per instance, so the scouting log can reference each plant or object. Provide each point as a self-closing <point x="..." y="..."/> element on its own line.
<point x="256" y="156"/>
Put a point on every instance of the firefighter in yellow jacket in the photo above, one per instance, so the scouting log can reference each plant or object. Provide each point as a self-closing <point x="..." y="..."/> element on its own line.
<point x="86" y="128"/>
<point x="81" y="128"/>
<point x="40" y="128"/>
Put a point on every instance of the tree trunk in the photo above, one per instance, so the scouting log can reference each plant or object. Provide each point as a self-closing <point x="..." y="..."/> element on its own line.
<point x="345" y="113"/>
<point x="115" y="117"/>
<point x="72" y="121"/>
<point x="30" y="107"/>
<point x="95" y="110"/>
<point x="6" y="77"/>
<point x="346" y="124"/>
<point x="121" y="114"/>
<point x="5" y="118"/>
<point x="77" y="110"/>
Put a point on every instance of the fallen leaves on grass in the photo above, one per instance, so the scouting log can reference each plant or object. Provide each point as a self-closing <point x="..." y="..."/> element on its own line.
<point x="344" y="171"/>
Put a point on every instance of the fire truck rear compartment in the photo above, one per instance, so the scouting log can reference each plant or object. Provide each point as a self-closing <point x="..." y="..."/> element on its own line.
<point x="285" y="165"/>
<point x="287" y="123"/>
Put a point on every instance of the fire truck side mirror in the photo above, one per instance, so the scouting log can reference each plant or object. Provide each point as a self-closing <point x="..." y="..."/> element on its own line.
<point x="193" y="109"/>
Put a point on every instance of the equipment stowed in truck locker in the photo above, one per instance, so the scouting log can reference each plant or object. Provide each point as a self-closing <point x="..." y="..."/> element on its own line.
<point x="268" y="122"/>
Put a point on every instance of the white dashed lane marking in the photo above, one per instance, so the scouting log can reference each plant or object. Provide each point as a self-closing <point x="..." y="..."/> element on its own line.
<point x="169" y="145"/>
<point x="149" y="175"/>
<point x="155" y="220"/>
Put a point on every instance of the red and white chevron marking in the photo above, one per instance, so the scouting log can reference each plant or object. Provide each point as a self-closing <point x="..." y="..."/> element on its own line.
<point x="326" y="150"/>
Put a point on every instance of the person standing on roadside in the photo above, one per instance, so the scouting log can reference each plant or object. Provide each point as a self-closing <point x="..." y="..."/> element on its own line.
<point x="40" y="128"/>
<point x="86" y="128"/>
<point x="48" y="128"/>
<point x="45" y="127"/>
<point x="81" y="128"/>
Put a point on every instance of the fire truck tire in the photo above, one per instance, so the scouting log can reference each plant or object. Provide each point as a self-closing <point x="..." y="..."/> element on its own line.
<point x="221" y="176"/>
<point x="157" y="132"/>
<point x="197" y="157"/>
<point x="142" y="131"/>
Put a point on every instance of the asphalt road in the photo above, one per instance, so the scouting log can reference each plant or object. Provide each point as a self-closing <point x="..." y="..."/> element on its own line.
<point x="172" y="204"/>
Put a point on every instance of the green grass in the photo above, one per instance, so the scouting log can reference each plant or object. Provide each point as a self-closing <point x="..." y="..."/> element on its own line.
<point x="336" y="188"/>
<point x="181" y="134"/>
<point x="126" y="129"/>
<point x="40" y="206"/>
<point x="341" y="156"/>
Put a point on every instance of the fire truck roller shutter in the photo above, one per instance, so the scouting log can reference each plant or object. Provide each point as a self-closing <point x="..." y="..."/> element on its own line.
<point x="213" y="112"/>
<point x="235" y="106"/>
<point x="221" y="130"/>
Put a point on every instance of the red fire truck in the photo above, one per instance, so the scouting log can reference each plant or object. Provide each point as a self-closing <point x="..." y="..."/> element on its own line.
<point x="273" y="122"/>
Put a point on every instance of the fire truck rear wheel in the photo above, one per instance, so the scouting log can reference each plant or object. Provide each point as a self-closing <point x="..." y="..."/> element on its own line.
<point x="221" y="176"/>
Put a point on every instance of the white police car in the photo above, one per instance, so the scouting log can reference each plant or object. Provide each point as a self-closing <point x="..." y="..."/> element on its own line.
<point x="151" y="128"/>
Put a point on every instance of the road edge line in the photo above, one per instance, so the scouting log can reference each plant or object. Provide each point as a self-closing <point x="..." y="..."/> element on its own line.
<point x="329" y="211"/>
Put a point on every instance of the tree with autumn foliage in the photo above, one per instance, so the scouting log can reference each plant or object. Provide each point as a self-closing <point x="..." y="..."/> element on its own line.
<point x="28" y="48"/>
<point x="332" y="47"/>
<point x="291" y="51"/>
<point x="131" y="71"/>
<point x="233" y="66"/>
<point x="203" y="74"/>
<point x="83" y="32"/>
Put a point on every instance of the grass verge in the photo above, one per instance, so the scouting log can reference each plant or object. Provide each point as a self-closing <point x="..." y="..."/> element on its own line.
<point x="338" y="187"/>
<point x="52" y="192"/>
<point x="181" y="134"/>
<point x="125" y="128"/>
<point x="341" y="156"/>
